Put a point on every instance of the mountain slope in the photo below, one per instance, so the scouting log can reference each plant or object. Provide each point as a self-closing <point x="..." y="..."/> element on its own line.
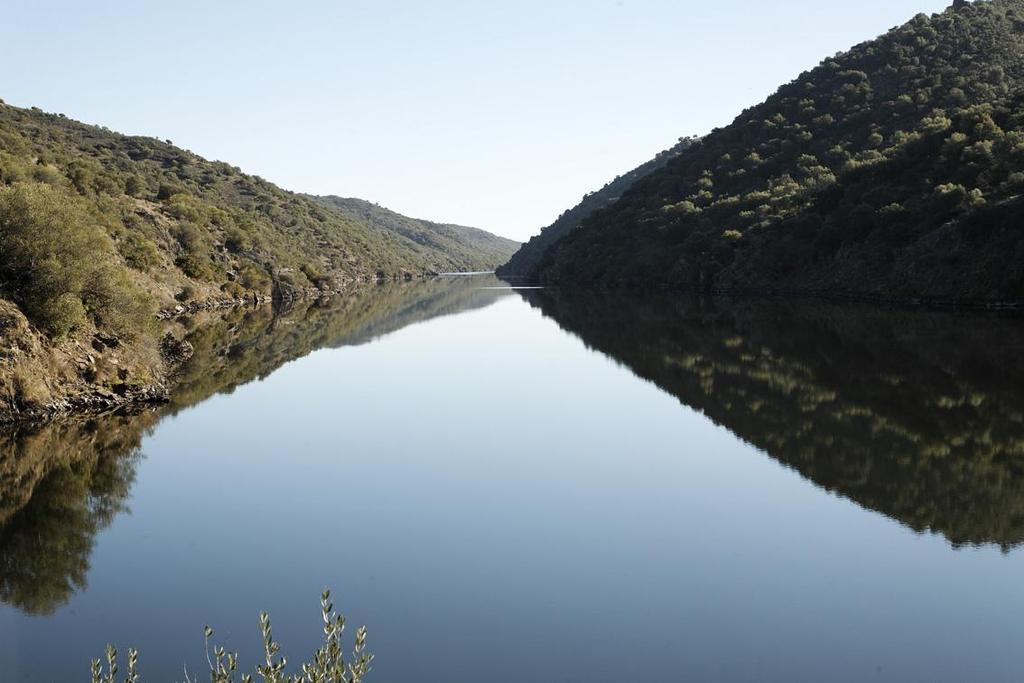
<point x="100" y="231"/>
<point x="530" y="254"/>
<point x="167" y="220"/>
<point x="894" y="170"/>
<point x="464" y="249"/>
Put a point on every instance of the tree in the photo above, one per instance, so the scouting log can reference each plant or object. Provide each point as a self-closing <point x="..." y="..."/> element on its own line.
<point x="59" y="266"/>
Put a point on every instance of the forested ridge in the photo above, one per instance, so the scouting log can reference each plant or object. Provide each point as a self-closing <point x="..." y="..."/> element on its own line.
<point x="530" y="254"/>
<point x="467" y="249"/>
<point x="893" y="170"/>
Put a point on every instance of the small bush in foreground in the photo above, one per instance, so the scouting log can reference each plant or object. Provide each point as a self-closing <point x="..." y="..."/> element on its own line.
<point x="327" y="665"/>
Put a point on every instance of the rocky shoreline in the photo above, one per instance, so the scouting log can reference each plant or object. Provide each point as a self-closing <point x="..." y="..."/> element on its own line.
<point x="41" y="381"/>
<point x="80" y="392"/>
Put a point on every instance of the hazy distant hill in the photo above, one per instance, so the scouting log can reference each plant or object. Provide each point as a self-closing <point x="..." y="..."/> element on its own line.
<point x="895" y="170"/>
<point x="524" y="260"/>
<point x="465" y="249"/>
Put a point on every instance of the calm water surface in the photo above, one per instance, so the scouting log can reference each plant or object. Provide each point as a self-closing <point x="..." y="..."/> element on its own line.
<point x="535" y="485"/>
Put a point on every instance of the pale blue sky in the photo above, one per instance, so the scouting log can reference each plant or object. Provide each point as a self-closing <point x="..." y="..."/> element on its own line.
<point x="499" y="115"/>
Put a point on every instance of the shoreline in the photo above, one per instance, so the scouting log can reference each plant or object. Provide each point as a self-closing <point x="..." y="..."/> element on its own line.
<point x="89" y="399"/>
<point x="75" y="395"/>
<point x="833" y="297"/>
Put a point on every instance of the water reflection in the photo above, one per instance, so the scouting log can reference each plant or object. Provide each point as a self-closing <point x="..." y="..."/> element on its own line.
<point x="62" y="483"/>
<point x="919" y="416"/>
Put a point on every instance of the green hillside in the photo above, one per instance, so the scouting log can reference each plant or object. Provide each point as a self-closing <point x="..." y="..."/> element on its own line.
<point x="530" y="254"/>
<point x="100" y="232"/>
<point x="464" y="249"/>
<point x="894" y="170"/>
<point x="101" y="228"/>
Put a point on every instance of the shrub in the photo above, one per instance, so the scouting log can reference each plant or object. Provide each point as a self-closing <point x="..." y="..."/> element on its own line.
<point x="1014" y="182"/>
<point x="237" y="241"/>
<point x="327" y="665"/>
<point x="45" y="173"/>
<point x="314" y="275"/>
<point x="58" y="265"/>
<point x="168" y="190"/>
<point x="194" y="266"/>
<point x="117" y="304"/>
<point x="187" y="207"/>
<point x="82" y="175"/>
<point x="190" y="237"/>
<point x="135" y="185"/>
<point x="60" y="314"/>
<point x="685" y="207"/>
<point x="253" y="278"/>
<point x="187" y="293"/>
<point x="138" y="251"/>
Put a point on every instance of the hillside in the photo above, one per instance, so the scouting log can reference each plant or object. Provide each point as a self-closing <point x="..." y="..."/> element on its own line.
<point x="530" y="254"/>
<point x="894" y="170"/>
<point x="100" y="231"/>
<point x="465" y="249"/>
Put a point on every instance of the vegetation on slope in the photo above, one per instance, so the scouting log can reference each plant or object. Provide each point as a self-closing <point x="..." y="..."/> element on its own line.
<point x="101" y="230"/>
<point x="464" y="249"/>
<point x="529" y="255"/>
<point x="102" y="206"/>
<point x="894" y="170"/>
<point x="916" y="415"/>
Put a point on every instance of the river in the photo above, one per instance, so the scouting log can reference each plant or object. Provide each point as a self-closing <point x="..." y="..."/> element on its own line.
<point x="541" y="485"/>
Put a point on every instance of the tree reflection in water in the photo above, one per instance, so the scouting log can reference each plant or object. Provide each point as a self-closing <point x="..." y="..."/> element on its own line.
<point x="917" y="415"/>
<point x="62" y="483"/>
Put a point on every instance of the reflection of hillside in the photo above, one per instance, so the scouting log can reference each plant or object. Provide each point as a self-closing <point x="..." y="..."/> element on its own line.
<point x="241" y="345"/>
<point x="916" y="415"/>
<point x="61" y="483"/>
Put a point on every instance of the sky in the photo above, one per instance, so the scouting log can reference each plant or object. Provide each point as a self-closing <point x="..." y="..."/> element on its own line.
<point x="499" y="115"/>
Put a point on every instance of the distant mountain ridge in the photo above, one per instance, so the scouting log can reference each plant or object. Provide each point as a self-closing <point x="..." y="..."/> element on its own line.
<point x="894" y="170"/>
<point x="530" y="254"/>
<point x="466" y="249"/>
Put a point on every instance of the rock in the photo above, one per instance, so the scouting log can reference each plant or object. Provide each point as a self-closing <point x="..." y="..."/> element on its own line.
<point x="175" y="350"/>
<point x="107" y="340"/>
